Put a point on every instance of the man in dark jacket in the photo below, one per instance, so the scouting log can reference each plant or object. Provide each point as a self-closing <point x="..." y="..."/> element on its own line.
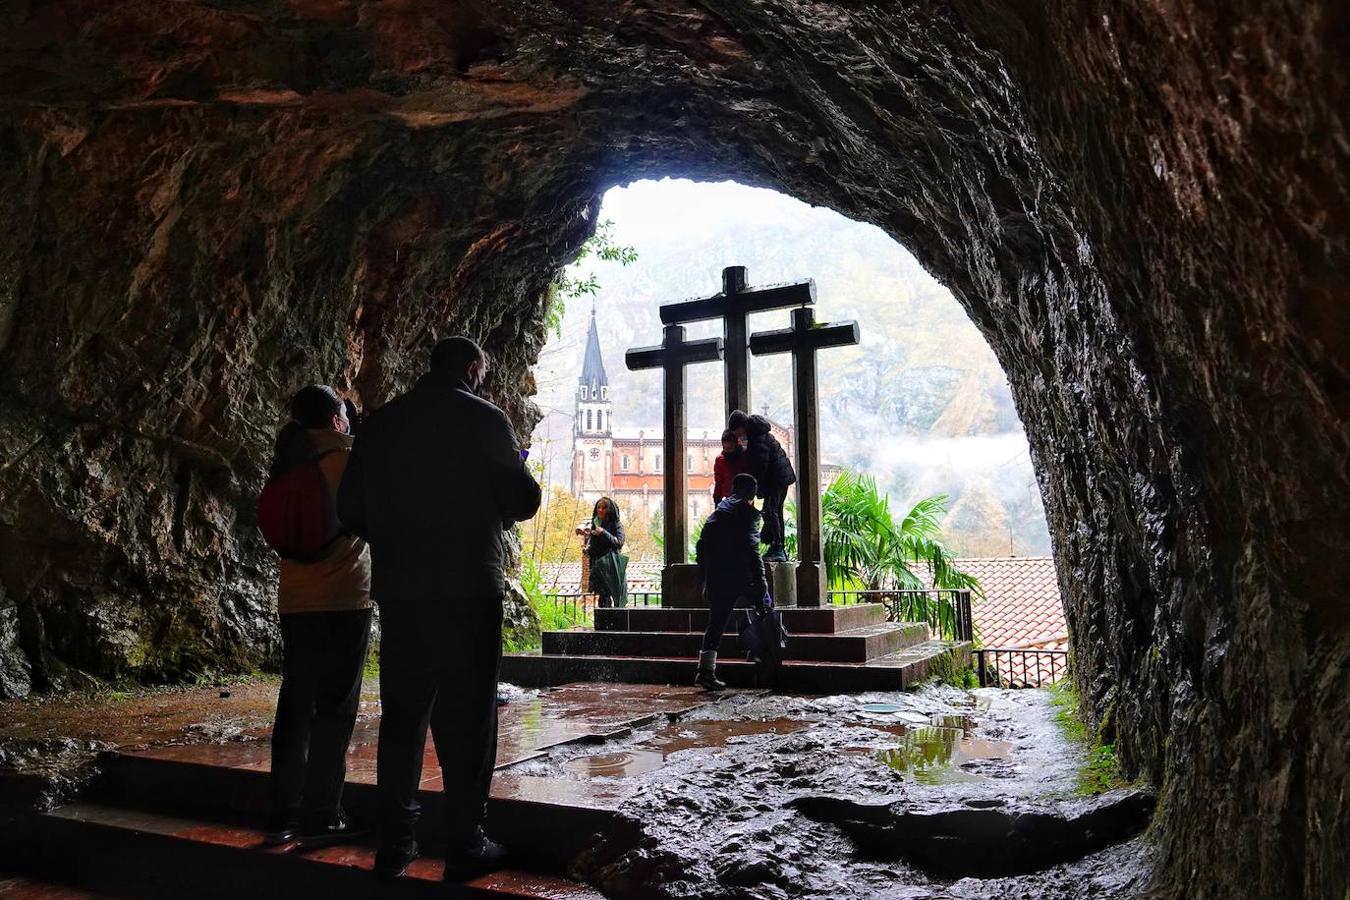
<point x="772" y="469"/>
<point x="433" y="479"/>
<point x="728" y="557"/>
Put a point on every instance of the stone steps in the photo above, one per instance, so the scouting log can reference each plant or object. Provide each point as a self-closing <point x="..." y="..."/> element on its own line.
<point x="900" y="670"/>
<point x="183" y="821"/>
<point x="854" y="645"/>
<point x="797" y="620"/>
<point x="155" y="854"/>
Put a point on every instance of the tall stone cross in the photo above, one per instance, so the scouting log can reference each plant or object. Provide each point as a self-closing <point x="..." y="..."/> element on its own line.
<point x="734" y="306"/>
<point x="674" y="354"/>
<point x="802" y="340"/>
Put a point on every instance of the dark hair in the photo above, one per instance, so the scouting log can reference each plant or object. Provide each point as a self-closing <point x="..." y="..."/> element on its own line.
<point x="737" y="419"/>
<point x="314" y="406"/>
<point x="744" y="486"/>
<point x="613" y="517"/>
<point x="453" y="355"/>
<point x="729" y="435"/>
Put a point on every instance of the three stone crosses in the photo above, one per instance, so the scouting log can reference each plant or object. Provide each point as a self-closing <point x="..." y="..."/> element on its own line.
<point x="680" y="582"/>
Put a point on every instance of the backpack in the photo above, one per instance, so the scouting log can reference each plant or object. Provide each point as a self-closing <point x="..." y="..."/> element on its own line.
<point x="296" y="512"/>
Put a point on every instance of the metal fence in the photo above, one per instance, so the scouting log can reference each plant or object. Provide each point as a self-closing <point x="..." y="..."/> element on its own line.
<point x="581" y="607"/>
<point x="946" y="612"/>
<point x="1016" y="667"/>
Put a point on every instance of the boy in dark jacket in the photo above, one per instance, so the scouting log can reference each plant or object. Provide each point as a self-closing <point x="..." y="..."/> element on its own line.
<point x="728" y="557"/>
<point x="766" y="460"/>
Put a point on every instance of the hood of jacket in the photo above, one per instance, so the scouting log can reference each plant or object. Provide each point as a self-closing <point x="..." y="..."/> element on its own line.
<point x="296" y="444"/>
<point x="758" y="425"/>
<point x="731" y="505"/>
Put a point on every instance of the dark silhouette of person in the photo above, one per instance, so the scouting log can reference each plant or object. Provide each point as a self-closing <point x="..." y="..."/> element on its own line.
<point x="732" y="461"/>
<point x="435" y="478"/>
<point x="767" y="461"/>
<point x="733" y="574"/>
<point x="608" y="567"/>
<point x="325" y="612"/>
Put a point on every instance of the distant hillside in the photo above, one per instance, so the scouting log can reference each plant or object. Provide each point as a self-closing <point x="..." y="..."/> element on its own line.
<point x="921" y="403"/>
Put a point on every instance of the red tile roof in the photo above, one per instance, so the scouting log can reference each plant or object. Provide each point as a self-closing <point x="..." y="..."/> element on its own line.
<point x="565" y="577"/>
<point x="1022" y="606"/>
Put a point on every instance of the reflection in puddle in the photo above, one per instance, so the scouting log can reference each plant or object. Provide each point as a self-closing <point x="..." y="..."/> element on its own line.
<point x="933" y="754"/>
<point x="705" y="733"/>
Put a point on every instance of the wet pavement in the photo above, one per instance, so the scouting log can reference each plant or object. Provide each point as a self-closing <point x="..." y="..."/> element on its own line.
<point x="712" y="793"/>
<point x="713" y="796"/>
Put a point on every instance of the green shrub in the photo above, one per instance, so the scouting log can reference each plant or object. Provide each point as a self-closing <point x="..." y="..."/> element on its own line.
<point x="1101" y="770"/>
<point x="553" y="615"/>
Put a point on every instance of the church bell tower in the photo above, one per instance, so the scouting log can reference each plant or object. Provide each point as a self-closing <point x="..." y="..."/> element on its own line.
<point x="592" y="435"/>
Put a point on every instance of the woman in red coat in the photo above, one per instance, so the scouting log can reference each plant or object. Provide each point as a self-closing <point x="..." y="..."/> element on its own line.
<point x="731" y="462"/>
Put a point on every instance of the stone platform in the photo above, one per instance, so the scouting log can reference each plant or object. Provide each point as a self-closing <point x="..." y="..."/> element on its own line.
<point x="831" y="648"/>
<point x="185" y="820"/>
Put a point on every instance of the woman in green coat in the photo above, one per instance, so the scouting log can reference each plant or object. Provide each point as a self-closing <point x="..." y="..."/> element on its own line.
<point x="609" y="567"/>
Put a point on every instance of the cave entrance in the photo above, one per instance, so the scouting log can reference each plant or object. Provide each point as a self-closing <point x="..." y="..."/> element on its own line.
<point x="921" y="405"/>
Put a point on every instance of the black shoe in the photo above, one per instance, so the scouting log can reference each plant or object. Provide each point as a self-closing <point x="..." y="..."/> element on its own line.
<point x="393" y="862"/>
<point x="280" y="833"/>
<point x="478" y="855"/>
<point x="339" y="831"/>
<point x="708" y="680"/>
<point x="775" y="555"/>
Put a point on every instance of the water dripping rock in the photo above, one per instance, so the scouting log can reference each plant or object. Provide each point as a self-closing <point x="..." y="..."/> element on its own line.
<point x="983" y="838"/>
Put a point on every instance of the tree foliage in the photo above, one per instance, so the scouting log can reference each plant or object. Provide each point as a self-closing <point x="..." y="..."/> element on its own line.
<point x="567" y="286"/>
<point x="865" y="549"/>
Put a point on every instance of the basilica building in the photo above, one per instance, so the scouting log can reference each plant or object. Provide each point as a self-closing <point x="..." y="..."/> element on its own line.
<point x="625" y="463"/>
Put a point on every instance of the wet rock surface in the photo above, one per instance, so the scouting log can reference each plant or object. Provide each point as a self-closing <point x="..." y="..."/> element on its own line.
<point x="809" y="797"/>
<point x="985" y="836"/>
<point x="1144" y="210"/>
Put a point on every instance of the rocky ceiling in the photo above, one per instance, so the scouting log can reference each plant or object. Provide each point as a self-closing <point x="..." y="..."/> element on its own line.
<point x="1143" y="209"/>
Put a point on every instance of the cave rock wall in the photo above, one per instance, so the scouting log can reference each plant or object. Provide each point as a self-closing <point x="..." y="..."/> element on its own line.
<point x="1143" y="210"/>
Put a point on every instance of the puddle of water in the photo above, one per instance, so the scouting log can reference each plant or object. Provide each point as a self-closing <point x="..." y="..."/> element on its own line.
<point x="933" y="754"/>
<point x="650" y="754"/>
<point x="882" y="707"/>
<point x="623" y="764"/>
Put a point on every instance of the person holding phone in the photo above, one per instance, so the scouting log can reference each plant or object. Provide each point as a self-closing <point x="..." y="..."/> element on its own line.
<point x="609" y="567"/>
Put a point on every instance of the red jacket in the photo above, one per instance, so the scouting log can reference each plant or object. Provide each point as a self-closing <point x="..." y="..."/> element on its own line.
<point x="725" y="470"/>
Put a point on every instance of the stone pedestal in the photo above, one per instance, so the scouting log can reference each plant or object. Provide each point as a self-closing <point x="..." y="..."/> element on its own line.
<point x="682" y="586"/>
<point x="809" y="580"/>
<point x="783" y="588"/>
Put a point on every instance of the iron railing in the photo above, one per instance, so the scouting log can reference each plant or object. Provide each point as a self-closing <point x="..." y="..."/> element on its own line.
<point x="1018" y="667"/>
<point x="946" y="612"/>
<point x="581" y="606"/>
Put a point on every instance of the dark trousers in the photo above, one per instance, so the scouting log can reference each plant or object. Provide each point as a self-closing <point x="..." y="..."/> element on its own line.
<point x="719" y="611"/>
<point x="772" y="531"/>
<point x="322" y="656"/>
<point x="438" y="668"/>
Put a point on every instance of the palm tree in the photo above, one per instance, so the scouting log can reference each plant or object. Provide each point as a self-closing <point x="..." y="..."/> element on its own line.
<point x="864" y="549"/>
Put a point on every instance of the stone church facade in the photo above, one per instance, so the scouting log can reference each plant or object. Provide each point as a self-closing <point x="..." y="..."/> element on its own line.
<point x="626" y="463"/>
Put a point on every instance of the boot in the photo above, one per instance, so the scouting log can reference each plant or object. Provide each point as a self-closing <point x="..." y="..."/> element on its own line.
<point x="707" y="667"/>
<point x="775" y="554"/>
<point x="476" y="855"/>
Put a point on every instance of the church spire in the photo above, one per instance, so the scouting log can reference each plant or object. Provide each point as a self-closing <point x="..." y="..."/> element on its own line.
<point x="593" y="366"/>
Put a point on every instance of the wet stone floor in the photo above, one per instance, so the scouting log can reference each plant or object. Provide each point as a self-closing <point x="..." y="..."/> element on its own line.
<point x="731" y="796"/>
<point x="716" y="794"/>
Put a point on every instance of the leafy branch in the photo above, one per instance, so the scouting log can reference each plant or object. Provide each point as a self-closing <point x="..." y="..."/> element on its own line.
<point x="566" y="287"/>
